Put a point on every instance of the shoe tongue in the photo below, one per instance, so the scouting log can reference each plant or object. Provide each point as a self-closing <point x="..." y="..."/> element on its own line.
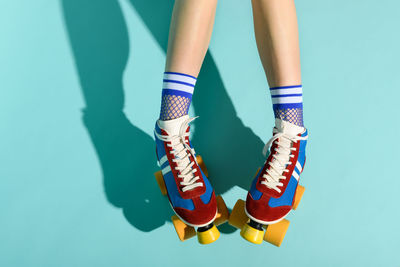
<point x="172" y="127"/>
<point x="288" y="128"/>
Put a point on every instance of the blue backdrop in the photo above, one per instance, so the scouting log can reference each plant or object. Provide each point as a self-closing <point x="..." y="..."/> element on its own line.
<point x="80" y="86"/>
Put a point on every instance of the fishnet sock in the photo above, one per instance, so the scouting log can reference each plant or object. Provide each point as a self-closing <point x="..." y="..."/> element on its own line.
<point x="173" y="106"/>
<point x="292" y="115"/>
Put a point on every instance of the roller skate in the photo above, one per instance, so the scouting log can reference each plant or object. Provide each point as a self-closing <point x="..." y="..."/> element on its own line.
<point x="275" y="190"/>
<point x="183" y="178"/>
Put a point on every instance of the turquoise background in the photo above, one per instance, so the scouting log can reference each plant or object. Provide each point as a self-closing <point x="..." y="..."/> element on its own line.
<point x="80" y="85"/>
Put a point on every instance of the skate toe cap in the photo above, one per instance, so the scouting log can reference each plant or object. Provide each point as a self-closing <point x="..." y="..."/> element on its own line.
<point x="201" y="215"/>
<point x="261" y="211"/>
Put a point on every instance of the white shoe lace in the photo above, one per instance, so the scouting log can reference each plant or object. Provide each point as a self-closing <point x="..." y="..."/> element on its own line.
<point x="280" y="160"/>
<point x="182" y="151"/>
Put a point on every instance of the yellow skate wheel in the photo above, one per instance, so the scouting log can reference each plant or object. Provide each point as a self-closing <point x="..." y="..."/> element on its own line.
<point x="251" y="234"/>
<point x="202" y="165"/>
<point x="183" y="230"/>
<point x="238" y="217"/>
<point x="299" y="194"/>
<point x="275" y="233"/>
<point x="160" y="182"/>
<point x="208" y="236"/>
<point x="223" y="213"/>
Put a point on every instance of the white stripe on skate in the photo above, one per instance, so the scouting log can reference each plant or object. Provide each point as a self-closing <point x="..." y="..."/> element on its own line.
<point x="163" y="160"/>
<point x="298" y="165"/>
<point x="166" y="170"/>
<point x="296" y="175"/>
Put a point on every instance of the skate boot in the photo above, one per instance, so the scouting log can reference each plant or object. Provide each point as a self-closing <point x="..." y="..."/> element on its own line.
<point x="274" y="191"/>
<point x="183" y="178"/>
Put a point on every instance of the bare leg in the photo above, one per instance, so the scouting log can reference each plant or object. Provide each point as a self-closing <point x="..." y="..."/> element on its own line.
<point x="275" y="25"/>
<point x="190" y="32"/>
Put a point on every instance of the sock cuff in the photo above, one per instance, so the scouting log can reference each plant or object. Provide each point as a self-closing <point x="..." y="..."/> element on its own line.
<point x="181" y="84"/>
<point x="287" y="96"/>
<point x="288" y="103"/>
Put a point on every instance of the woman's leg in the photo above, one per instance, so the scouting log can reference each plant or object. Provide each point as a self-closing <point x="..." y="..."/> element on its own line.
<point x="275" y="25"/>
<point x="189" y="192"/>
<point x="276" y="192"/>
<point x="190" y="32"/>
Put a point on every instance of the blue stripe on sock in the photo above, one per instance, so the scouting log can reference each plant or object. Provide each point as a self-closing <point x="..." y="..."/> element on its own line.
<point x="174" y="81"/>
<point x="285" y="87"/>
<point x="176" y="92"/>
<point x="177" y="73"/>
<point x="287" y="105"/>
<point x="275" y="96"/>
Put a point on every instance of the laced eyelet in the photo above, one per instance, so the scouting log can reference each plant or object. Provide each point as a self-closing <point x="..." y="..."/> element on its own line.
<point x="284" y="147"/>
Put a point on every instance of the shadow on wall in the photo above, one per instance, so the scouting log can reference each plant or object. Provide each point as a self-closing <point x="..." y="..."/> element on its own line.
<point x="99" y="39"/>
